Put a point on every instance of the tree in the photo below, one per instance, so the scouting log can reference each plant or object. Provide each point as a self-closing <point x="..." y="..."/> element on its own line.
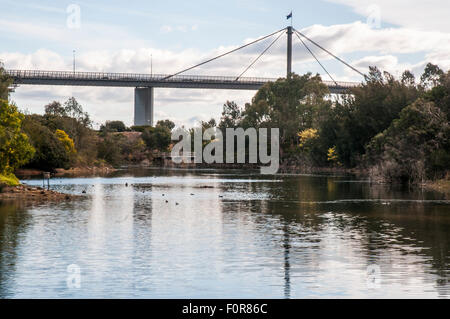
<point x="408" y="79"/>
<point x="359" y="117"/>
<point x="50" y="151"/>
<point x="114" y="126"/>
<point x="108" y="149"/>
<point x="5" y="83"/>
<point x="231" y="116"/>
<point x="75" y="123"/>
<point x="414" y="148"/>
<point x="67" y="142"/>
<point x="167" y="123"/>
<point x="431" y="76"/>
<point x="75" y="110"/>
<point x="291" y="104"/>
<point x="15" y="148"/>
<point x="158" y="138"/>
<point x="55" y="109"/>
<point x="440" y="94"/>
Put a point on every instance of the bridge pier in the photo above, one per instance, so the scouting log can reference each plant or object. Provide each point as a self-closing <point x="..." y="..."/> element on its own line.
<point x="143" y="106"/>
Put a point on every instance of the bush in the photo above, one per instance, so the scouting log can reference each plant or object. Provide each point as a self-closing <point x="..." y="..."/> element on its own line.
<point x="108" y="149"/>
<point x="416" y="147"/>
<point x="50" y="151"/>
<point x="114" y="127"/>
<point x="140" y="129"/>
<point x="15" y="148"/>
<point x="158" y="138"/>
<point x="8" y="180"/>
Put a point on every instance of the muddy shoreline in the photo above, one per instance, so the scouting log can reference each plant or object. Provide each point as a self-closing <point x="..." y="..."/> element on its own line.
<point x="34" y="194"/>
<point x="73" y="172"/>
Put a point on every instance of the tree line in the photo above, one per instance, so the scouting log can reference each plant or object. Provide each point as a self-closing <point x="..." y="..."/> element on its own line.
<point x="395" y="130"/>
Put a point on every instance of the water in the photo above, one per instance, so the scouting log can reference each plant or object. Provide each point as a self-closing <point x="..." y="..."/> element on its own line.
<point x="240" y="235"/>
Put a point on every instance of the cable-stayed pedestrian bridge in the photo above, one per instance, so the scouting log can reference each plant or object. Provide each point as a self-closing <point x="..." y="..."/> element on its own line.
<point x="144" y="84"/>
<point x="37" y="77"/>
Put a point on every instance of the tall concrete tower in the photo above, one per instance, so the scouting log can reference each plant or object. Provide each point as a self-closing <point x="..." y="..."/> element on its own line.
<point x="143" y="106"/>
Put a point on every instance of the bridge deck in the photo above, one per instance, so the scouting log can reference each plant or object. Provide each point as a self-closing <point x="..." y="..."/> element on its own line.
<point x="36" y="77"/>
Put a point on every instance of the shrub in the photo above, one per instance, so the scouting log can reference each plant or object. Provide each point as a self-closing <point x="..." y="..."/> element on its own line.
<point x="414" y="148"/>
<point x="8" y="180"/>
<point x="15" y="148"/>
<point x="50" y="151"/>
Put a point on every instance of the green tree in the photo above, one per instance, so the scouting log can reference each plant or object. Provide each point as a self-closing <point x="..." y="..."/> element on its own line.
<point x="166" y="123"/>
<point x="293" y="105"/>
<point x="15" y="148"/>
<point x="108" y="149"/>
<point x="5" y="83"/>
<point x="55" y="109"/>
<point x="231" y="116"/>
<point x="50" y="151"/>
<point x="68" y="144"/>
<point x="76" y="123"/>
<point x="431" y="76"/>
<point x="369" y="110"/>
<point x="75" y="110"/>
<point x="158" y="138"/>
<point x="416" y="147"/>
<point x="114" y="126"/>
<point x="440" y="94"/>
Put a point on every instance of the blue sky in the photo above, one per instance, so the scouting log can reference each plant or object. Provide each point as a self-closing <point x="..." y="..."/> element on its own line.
<point x="216" y="23"/>
<point x="119" y="36"/>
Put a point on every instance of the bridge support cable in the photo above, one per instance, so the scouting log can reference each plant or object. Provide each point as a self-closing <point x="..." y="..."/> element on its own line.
<point x="256" y="60"/>
<point x="224" y="54"/>
<point x="312" y="53"/>
<point x="334" y="56"/>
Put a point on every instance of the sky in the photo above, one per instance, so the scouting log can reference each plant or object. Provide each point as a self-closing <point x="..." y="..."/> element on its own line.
<point x="124" y="36"/>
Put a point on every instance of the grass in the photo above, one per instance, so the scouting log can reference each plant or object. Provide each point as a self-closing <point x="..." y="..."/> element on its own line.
<point x="8" y="180"/>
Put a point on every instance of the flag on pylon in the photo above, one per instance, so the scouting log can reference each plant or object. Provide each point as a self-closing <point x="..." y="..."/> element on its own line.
<point x="289" y="16"/>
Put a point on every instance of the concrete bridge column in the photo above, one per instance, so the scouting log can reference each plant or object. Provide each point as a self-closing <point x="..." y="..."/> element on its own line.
<point x="143" y="106"/>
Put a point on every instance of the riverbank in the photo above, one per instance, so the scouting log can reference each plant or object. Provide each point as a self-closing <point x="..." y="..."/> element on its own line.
<point x="72" y="172"/>
<point x="35" y="194"/>
<point x="442" y="186"/>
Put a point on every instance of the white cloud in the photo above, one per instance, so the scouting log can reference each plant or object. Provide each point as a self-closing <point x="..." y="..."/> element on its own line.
<point x="179" y="28"/>
<point x="166" y="29"/>
<point x="380" y="47"/>
<point x="430" y="15"/>
<point x="87" y="36"/>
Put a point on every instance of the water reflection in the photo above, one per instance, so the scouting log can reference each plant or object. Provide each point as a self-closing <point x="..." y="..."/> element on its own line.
<point x="211" y="234"/>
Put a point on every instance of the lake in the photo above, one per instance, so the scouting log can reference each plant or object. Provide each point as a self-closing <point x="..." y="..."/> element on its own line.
<point x="226" y="234"/>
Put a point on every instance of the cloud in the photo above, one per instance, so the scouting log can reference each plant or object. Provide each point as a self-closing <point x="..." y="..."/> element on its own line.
<point x="431" y="15"/>
<point x="179" y="28"/>
<point x="356" y="42"/>
<point x="87" y="36"/>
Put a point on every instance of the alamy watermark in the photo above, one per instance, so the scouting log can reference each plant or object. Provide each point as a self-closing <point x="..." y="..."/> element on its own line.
<point x="73" y="16"/>
<point x="73" y="280"/>
<point x="236" y="141"/>
<point x="374" y="16"/>
<point x="374" y="277"/>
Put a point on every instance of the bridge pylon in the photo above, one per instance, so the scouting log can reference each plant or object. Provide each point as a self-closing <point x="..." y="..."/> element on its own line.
<point x="289" y="51"/>
<point x="143" y="106"/>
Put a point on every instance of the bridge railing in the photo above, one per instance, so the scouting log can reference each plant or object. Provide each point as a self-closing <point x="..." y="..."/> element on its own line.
<point x="100" y="76"/>
<point x="146" y="78"/>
